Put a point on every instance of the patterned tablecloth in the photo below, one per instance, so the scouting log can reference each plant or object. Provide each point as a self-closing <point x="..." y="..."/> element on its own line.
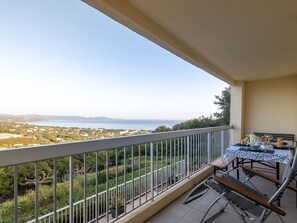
<point x="280" y="155"/>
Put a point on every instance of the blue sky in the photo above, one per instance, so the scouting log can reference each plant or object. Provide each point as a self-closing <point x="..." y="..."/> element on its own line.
<point x="65" y="58"/>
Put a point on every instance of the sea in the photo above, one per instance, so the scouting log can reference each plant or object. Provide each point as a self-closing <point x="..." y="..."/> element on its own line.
<point x="127" y="124"/>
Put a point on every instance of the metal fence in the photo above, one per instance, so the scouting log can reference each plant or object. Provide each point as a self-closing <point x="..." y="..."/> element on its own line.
<point x="126" y="182"/>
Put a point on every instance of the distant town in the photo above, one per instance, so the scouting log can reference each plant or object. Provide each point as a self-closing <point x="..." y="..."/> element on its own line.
<point x="17" y="135"/>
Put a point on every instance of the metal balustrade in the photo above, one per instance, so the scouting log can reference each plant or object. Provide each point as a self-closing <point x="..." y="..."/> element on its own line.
<point x="128" y="164"/>
<point x="112" y="192"/>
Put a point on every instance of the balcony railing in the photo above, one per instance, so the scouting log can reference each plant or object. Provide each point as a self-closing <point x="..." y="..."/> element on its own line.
<point x="88" y="178"/>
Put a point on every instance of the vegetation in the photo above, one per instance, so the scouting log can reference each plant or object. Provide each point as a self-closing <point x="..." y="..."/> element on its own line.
<point x="224" y="102"/>
<point x="26" y="201"/>
<point x="162" y="128"/>
<point x="217" y="119"/>
<point x="22" y="135"/>
<point x="200" y="122"/>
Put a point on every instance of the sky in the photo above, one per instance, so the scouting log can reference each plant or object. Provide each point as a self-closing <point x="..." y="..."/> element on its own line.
<point x="66" y="58"/>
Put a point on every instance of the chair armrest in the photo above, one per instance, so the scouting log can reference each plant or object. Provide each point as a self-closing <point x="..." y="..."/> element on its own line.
<point x="265" y="176"/>
<point x="249" y="195"/>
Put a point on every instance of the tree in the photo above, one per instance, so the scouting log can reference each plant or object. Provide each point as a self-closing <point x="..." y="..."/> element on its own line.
<point x="223" y="102"/>
<point x="6" y="183"/>
<point x="217" y="119"/>
<point x="162" y="128"/>
<point x="200" y="122"/>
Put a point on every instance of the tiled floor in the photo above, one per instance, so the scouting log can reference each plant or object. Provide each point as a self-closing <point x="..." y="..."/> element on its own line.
<point x="194" y="211"/>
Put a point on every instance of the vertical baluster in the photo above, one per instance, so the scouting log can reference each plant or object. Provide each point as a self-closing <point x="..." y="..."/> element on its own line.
<point x="145" y="170"/>
<point x="174" y="161"/>
<point x="202" y="150"/>
<point x="199" y="150"/>
<point x="170" y="174"/>
<point x="193" y="150"/>
<point x="197" y="153"/>
<point x="71" y="189"/>
<point x="188" y="156"/>
<point x="139" y="174"/>
<point x="166" y="161"/>
<point x="36" y="191"/>
<point x="125" y="186"/>
<point x="162" y="177"/>
<point x="92" y="208"/>
<point x="107" y="187"/>
<point x="133" y="194"/>
<point x="76" y="213"/>
<point x="208" y="148"/>
<point x="85" y="191"/>
<point x="55" y="191"/>
<point x="179" y="158"/>
<point x="96" y="182"/>
<point x="116" y="181"/>
<point x="185" y="156"/>
<point x="157" y="167"/>
<point x="101" y="204"/>
<point x="15" y="182"/>
<point x="80" y="217"/>
<point x="152" y="168"/>
<point x="192" y="154"/>
<point x="222" y="142"/>
<point x="89" y="210"/>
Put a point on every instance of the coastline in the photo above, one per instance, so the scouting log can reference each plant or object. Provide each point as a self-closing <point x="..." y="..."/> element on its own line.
<point x="123" y="124"/>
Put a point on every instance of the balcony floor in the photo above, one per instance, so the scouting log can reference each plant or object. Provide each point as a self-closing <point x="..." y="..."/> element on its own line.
<point x="194" y="211"/>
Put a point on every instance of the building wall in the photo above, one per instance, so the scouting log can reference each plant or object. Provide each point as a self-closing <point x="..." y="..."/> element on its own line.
<point x="237" y="111"/>
<point x="271" y="105"/>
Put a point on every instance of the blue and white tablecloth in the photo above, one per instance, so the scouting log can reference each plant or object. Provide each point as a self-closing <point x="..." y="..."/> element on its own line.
<point x="280" y="155"/>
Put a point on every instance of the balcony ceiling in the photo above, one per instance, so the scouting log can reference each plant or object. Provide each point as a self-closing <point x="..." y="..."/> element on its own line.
<point x="233" y="40"/>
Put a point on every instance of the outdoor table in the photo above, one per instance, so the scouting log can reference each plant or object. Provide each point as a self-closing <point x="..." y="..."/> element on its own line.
<point x="245" y="153"/>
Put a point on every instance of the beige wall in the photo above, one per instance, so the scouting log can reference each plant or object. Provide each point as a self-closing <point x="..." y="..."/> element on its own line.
<point x="237" y="111"/>
<point x="271" y="105"/>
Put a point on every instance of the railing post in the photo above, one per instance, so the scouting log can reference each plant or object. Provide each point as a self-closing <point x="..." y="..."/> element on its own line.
<point x="71" y="189"/>
<point x="152" y="169"/>
<point x="208" y="148"/>
<point x="222" y="142"/>
<point x="188" y="156"/>
<point x="36" y="191"/>
<point x="96" y="182"/>
<point x="125" y="183"/>
<point x="107" y="186"/>
<point x="15" y="182"/>
<point x="55" y="190"/>
<point x="85" y="191"/>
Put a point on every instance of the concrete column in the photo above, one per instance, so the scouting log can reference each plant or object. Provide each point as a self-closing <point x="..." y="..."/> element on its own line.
<point x="237" y="111"/>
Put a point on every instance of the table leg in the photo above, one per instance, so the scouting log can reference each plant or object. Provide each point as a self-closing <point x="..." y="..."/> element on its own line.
<point x="277" y="170"/>
<point x="277" y="177"/>
<point x="237" y="169"/>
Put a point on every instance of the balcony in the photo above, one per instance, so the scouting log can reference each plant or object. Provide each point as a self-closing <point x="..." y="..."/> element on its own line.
<point x="137" y="170"/>
<point x="194" y="211"/>
<point x="250" y="46"/>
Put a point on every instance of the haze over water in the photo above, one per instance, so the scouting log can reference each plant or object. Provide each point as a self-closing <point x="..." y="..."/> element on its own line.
<point x="127" y="124"/>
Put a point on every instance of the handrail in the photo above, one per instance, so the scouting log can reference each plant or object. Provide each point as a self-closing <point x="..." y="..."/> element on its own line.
<point x="17" y="156"/>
